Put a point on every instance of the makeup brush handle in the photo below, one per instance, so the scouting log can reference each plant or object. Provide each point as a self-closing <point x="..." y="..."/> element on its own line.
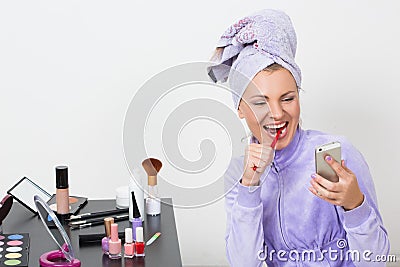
<point x="98" y="214"/>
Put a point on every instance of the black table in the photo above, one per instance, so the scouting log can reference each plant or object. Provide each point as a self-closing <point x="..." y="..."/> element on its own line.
<point x="163" y="252"/>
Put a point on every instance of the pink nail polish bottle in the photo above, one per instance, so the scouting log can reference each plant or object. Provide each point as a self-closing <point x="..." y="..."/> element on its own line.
<point x="129" y="247"/>
<point x="114" y="244"/>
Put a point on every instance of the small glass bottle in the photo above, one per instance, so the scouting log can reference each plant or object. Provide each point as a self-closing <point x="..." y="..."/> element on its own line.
<point x="139" y="243"/>
<point x="129" y="247"/>
<point x="153" y="205"/>
<point x="114" y="244"/>
<point x="62" y="193"/>
<point x="107" y="227"/>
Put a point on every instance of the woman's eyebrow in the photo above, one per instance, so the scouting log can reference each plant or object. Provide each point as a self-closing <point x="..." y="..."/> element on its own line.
<point x="266" y="97"/>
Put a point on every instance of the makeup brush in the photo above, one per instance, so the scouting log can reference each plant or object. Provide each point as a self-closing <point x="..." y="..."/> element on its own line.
<point x="152" y="166"/>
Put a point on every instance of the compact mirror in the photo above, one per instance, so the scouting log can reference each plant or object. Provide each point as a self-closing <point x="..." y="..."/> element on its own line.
<point x="24" y="191"/>
<point x="55" y="258"/>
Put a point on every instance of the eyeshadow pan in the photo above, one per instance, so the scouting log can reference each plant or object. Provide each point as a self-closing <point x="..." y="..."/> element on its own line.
<point x="1" y="249"/>
<point x="14" y="243"/>
<point x="13" y="255"/>
<point x="13" y="249"/>
<point x="15" y="237"/>
<point x="12" y="262"/>
<point x="1" y="243"/>
<point x="2" y="237"/>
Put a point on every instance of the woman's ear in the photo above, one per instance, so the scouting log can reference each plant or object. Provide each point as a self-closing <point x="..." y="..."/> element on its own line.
<point x="240" y="111"/>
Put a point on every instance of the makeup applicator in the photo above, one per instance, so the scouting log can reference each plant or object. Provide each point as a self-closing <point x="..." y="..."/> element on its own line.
<point x="152" y="166"/>
<point x="5" y="207"/>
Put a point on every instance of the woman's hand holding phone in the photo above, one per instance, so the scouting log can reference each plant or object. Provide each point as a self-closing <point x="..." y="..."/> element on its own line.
<point x="345" y="192"/>
<point x="257" y="156"/>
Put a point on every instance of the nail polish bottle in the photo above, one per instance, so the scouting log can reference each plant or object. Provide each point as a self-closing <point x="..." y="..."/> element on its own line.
<point x="114" y="244"/>
<point x="62" y="192"/>
<point x="107" y="227"/>
<point x="136" y="220"/>
<point x="136" y="186"/>
<point x="139" y="244"/>
<point x="129" y="247"/>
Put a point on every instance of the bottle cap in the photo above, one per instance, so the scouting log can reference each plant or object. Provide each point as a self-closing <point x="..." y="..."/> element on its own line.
<point x="136" y="212"/>
<point x="128" y="235"/>
<point x="139" y="234"/>
<point x="61" y="177"/>
<point x="114" y="232"/>
<point x="107" y="225"/>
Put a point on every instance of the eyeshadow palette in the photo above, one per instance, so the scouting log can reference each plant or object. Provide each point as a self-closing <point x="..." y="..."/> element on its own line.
<point x="75" y="203"/>
<point x="14" y="249"/>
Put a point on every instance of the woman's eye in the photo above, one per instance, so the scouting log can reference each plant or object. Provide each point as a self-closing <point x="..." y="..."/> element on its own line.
<point x="288" y="99"/>
<point x="259" y="103"/>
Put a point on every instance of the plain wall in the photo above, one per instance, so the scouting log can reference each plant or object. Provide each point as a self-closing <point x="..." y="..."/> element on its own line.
<point x="68" y="71"/>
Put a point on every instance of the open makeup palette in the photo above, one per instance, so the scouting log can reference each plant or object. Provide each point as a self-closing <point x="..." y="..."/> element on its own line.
<point x="14" y="249"/>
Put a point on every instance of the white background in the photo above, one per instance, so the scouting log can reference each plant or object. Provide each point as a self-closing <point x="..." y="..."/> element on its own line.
<point x="68" y="70"/>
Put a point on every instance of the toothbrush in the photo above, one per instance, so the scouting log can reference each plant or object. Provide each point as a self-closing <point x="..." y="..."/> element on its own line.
<point x="273" y="143"/>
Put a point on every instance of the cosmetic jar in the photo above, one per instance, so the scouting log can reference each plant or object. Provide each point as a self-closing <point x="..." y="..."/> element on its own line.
<point x="122" y="197"/>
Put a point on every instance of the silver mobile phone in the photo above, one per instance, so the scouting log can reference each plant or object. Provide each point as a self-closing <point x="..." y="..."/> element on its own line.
<point x="322" y="167"/>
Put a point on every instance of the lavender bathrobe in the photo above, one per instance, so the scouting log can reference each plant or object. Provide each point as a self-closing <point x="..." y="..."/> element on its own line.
<point x="283" y="223"/>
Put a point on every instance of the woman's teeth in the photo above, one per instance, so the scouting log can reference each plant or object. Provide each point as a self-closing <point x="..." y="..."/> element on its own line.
<point x="273" y="129"/>
<point x="277" y="126"/>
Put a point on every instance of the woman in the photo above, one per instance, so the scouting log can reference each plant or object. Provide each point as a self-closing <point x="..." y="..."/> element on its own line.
<point x="278" y="209"/>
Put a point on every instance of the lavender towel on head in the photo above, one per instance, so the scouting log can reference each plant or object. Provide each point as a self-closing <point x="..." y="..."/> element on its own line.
<point x="252" y="44"/>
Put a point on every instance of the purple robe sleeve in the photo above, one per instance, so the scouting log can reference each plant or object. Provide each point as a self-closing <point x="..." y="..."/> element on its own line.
<point x="244" y="231"/>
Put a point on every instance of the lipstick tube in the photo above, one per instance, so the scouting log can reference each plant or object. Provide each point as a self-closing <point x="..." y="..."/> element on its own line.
<point x="107" y="227"/>
<point x="114" y="244"/>
<point x="139" y="244"/>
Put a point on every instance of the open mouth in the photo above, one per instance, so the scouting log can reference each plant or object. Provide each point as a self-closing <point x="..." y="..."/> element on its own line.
<point x="272" y="129"/>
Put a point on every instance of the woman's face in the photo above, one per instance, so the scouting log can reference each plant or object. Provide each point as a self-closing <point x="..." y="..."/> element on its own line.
<point x="269" y="103"/>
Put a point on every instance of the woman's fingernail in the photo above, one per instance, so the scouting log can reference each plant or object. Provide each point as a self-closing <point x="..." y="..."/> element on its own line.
<point x="328" y="158"/>
<point x="313" y="176"/>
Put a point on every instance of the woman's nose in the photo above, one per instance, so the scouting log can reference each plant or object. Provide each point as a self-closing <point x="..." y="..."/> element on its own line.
<point x="275" y="111"/>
